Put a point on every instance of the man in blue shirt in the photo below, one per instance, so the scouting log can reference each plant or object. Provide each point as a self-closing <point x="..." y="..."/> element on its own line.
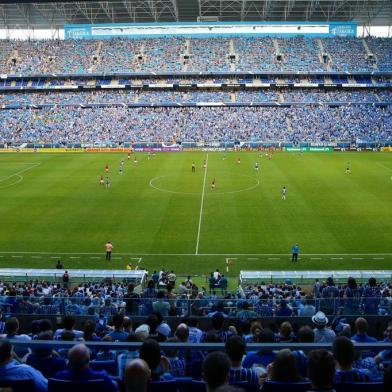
<point x="118" y="335"/>
<point x="79" y="359"/>
<point x="12" y="370"/>
<point x="295" y="253"/>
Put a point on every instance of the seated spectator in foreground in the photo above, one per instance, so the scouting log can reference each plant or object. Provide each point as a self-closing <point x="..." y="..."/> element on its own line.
<point x="308" y="309"/>
<point x="263" y="357"/>
<point x="344" y="353"/>
<point x="216" y="368"/>
<point x="321" y="370"/>
<point x="322" y="334"/>
<point x="217" y="328"/>
<point x="385" y="355"/>
<point x="236" y="349"/>
<point x="177" y="364"/>
<point x="361" y="327"/>
<point x="12" y="332"/>
<point x="69" y="323"/>
<point x="79" y="370"/>
<point x="137" y="376"/>
<point x="12" y="370"/>
<point x="159" y="365"/>
<point x="44" y="359"/>
<point x="105" y="353"/>
<point x="285" y="334"/>
<point x="305" y="335"/>
<point x="195" y="333"/>
<point x="124" y="358"/>
<point x="245" y="313"/>
<point x="284" y="310"/>
<point x="284" y="368"/>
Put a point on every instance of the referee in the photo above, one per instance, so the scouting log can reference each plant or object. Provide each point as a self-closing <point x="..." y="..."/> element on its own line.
<point x="295" y="252"/>
<point x="108" y="248"/>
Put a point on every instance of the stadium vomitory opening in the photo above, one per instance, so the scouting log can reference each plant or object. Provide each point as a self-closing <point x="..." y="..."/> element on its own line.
<point x="196" y="195"/>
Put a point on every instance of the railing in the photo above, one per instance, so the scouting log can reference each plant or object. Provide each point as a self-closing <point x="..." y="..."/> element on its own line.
<point x="183" y="305"/>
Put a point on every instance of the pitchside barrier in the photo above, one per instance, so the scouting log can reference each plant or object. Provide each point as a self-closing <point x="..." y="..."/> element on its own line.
<point x="301" y="277"/>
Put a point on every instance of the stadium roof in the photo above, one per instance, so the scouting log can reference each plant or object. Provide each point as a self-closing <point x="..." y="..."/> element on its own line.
<point x="50" y="14"/>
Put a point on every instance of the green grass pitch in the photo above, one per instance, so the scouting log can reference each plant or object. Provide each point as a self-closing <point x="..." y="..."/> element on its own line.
<point x="161" y="214"/>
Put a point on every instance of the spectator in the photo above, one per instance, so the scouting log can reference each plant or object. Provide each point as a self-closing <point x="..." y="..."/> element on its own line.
<point x="89" y="332"/>
<point x="105" y="353"/>
<point x="69" y="323"/>
<point x="45" y="359"/>
<point x="216" y="368"/>
<point x="329" y="297"/>
<point x="137" y="376"/>
<point x="195" y="333"/>
<point x="59" y="265"/>
<point x="12" y="332"/>
<point x="118" y="335"/>
<point x="11" y="370"/>
<point x="142" y="332"/>
<point x="285" y="334"/>
<point x="344" y="353"/>
<point x="125" y="357"/>
<point x="236" y="349"/>
<point x="245" y="313"/>
<point x="159" y="365"/>
<point x="385" y="355"/>
<point x="321" y="370"/>
<point x="361" y="327"/>
<point x="65" y="279"/>
<point x="132" y="300"/>
<point x="263" y="357"/>
<point x="284" y="368"/>
<point x="223" y="284"/>
<point x="308" y="309"/>
<point x="79" y="370"/>
<point x="322" y="334"/>
<point x="371" y="297"/>
<point x="352" y="297"/>
<point x="305" y="335"/>
<point x="161" y="306"/>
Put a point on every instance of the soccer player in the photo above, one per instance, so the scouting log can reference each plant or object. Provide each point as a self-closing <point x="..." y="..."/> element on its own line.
<point x="107" y="182"/>
<point x="204" y="164"/>
<point x="257" y="167"/>
<point x="101" y="182"/>
<point x="120" y="169"/>
<point x="135" y="160"/>
<point x="283" y="193"/>
<point x="239" y="161"/>
<point x="129" y="156"/>
<point x="122" y="162"/>
<point x="149" y="155"/>
<point x="224" y="156"/>
<point x="107" y="168"/>
<point x="348" y="168"/>
<point x="193" y="167"/>
<point x="213" y="184"/>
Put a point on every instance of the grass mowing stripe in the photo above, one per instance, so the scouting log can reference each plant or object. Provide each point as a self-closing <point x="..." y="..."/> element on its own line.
<point x="201" y="206"/>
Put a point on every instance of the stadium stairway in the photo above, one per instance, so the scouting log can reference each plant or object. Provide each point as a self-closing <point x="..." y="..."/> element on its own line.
<point x="370" y="53"/>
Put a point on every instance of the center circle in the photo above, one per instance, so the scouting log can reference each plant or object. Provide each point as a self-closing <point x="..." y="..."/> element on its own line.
<point x="153" y="184"/>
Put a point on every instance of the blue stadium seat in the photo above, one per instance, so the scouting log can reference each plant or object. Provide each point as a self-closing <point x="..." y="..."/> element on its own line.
<point x="183" y="383"/>
<point x="109" y="366"/>
<point x="18" y="385"/>
<point x="200" y="386"/>
<point x="163" y="386"/>
<point x="68" y="386"/>
<point x="276" y="386"/>
<point x="359" y="387"/>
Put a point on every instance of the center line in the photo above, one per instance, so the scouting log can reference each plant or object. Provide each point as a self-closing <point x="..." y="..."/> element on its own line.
<point x="201" y="206"/>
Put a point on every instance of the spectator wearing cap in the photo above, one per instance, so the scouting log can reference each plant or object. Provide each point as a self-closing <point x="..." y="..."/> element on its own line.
<point x="322" y="334"/>
<point x="142" y="332"/>
<point x="13" y="371"/>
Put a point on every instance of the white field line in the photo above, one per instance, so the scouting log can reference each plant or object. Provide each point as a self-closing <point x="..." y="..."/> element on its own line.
<point x="201" y="207"/>
<point x="228" y="254"/>
<point x="20" y="172"/>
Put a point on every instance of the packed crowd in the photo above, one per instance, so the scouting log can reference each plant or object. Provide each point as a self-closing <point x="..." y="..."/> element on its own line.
<point x="183" y="96"/>
<point x="117" y="123"/>
<point x="319" y="369"/>
<point x="178" y="54"/>
<point x="102" y="300"/>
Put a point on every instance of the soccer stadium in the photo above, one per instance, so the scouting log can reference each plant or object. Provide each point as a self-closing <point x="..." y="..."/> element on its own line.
<point x="196" y="196"/>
